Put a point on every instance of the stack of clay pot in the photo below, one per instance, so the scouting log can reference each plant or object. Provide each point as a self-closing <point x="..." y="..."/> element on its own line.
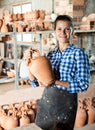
<point x="18" y="114"/>
<point x="30" y="21"/>
<point x="7" y="16"/>
<point x="86" y="21"/>
<point x="85" y="112"/>
<point x="3" y="26"/>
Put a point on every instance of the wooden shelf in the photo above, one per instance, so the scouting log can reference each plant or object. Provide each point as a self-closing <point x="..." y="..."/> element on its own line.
<point x="84" y="31"/>
<point x="11" y="60"/>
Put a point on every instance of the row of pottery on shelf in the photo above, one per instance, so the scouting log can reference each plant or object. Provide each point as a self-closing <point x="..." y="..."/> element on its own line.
<point x="28" y="16"/>
<point x="34" y="26"/>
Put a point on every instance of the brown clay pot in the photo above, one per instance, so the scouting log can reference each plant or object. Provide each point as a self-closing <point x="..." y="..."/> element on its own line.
<point x="81" y="116"/>
<point x="20" y="28"/>
<point x="24" y="120"/>
<point x="14" y="17"/>
<point x="42" y="70"/>
<point x="1" y="23"/>
<point x="20" y="16"/>
<point x="11" y="121"/>
<point x="1" y="128"/>
<point x="90" y="111"/>
<point x="42" y="14"/>
<point x="4" y="28"/>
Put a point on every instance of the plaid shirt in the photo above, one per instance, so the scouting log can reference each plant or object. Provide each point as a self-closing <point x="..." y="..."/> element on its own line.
<point x="72" y="65"/>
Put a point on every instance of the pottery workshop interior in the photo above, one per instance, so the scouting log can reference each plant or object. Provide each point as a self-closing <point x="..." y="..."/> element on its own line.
<point x="29" y="38"/>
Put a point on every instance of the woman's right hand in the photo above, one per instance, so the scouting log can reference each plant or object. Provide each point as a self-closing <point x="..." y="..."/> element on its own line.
<point x="28" y="56"/>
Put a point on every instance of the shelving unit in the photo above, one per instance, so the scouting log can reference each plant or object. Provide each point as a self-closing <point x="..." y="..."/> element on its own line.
<point x="86" y="40"/>
<point x="16" y="44"/>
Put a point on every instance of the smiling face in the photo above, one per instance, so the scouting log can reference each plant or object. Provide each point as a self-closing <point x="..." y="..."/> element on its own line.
<point x="63" y="31"/>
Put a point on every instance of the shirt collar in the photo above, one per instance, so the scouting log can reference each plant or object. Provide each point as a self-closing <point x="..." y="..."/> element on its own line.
<point x="71" y="47"/>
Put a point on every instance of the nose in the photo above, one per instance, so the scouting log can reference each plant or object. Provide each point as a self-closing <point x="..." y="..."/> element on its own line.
<point x="63" y="31"/>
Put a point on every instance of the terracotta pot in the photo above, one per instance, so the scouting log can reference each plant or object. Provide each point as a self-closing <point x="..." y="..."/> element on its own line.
<point x="93" y="101"/>
<point x="24" y="120"/>
<point x="40" y="24"/>
<point x="4" y="28"/>
<point x="31" y="115"/>
<point x="42" y="70"/>
<point x="34" y="14"/>
<point x="81" y="116"/>
<point x="1" y="23"/>
<point x="20" y="28"/>
<point x="42" y="14"/>
<point x="90" y="111"/>
<point x="8" y="18"/>
<point x="1" y="128"/>
<point x="14" y="17"/>
<point x="11" y="121"/>
<point x="20" y="16"/>
<point x="91" y="17"/>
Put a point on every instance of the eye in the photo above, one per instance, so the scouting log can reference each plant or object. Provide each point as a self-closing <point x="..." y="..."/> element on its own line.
<point x="67" y="29"/>
<point x="59" y="29"/>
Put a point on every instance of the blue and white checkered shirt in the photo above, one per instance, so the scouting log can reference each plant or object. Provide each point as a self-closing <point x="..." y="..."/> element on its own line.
<point x="72" y="65"/>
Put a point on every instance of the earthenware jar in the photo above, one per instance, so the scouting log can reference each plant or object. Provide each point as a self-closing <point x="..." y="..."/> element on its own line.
<point x="24" y="120"/>
<point x="42" y="70"/>
<point x="1" y="23"/>
<point x="11" y="121"/>
<point x="8" y="18"/>
<point x="31" y="115"/>
<point x="1" y="128"/>
<point x="42" y="14"/>
<point x="20" y="16"/>
<point x="81" y="116"/>
<point x="90" y="112"/>
<point x="20" y="28"/>
<point x="4" y="28"/>
<point x="34" y="15"/>
<point x="14" y="17"/>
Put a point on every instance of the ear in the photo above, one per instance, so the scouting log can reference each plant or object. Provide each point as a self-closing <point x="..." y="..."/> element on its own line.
<point x="72" y="31"/>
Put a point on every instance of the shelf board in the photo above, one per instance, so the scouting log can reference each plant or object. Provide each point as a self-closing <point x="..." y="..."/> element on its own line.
<point x="7" y="79"/>
<point x="37" y="32"/>
<point x="84" y="31"/>
<point x="92" y="69"/>
<point x="11" y="60"/>
<point x="27" y="43"/>
<point x="6" y="33"/>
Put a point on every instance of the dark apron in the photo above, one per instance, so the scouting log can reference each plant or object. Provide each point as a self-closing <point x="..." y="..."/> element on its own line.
<point x="56" y="108"/>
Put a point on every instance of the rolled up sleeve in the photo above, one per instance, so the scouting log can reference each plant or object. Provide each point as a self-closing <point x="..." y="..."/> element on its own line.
<point x="34" y="83"/>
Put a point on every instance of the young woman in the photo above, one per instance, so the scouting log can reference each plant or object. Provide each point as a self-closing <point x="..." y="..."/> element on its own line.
<point x="70" y="64"/>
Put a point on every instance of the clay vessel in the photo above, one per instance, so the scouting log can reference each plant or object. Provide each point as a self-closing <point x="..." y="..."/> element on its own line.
<point x="1" y="23"/>
<point x="4" y="28"/>
<point x="42" y="70"/>
<point x="81" y="116"/>
<point x="11" y="121"/>
<point x="1" y="128"/>
<point x="42" y="14"/>
<point x="90" y="112"/>
<point x="24" y="120"/>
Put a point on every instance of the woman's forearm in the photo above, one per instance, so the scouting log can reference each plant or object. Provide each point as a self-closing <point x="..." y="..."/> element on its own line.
<point x="62" y="83"/>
